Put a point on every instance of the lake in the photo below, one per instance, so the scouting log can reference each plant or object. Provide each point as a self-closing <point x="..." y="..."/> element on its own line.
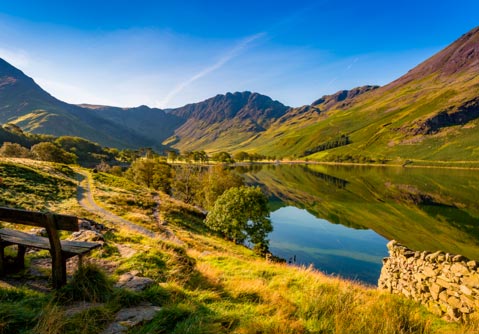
<point x="339" y="219"/>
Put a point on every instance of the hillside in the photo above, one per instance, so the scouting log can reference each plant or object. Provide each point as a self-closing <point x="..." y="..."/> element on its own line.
<point x="224" y="121"/>
<point x="24" y="103"/>
<point x="197" y="281"/>
<point x="430" y="113"/>
<point x="152" y="123"/>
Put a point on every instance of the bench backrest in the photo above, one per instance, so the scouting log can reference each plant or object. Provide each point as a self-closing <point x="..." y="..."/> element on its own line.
<point x="40" y="219"/>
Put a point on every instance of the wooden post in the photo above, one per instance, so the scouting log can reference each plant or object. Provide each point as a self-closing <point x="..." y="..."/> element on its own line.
<point x="2" y="259"/>
<point x="59" y="271"/>
<point x="20" y="261"/>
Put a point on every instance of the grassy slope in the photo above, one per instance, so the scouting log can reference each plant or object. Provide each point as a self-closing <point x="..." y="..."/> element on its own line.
<point x="208" y="285"/>
<point x="376" y="123"/>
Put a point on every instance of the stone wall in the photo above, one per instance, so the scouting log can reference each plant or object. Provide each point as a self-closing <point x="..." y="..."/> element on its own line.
<point x="447" y="284"/>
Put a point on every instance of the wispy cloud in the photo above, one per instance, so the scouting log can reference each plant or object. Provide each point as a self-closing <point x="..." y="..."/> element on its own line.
<point x="18" y="58"/>
<point x="234" y="52"/>
<point x="348" y="68"/>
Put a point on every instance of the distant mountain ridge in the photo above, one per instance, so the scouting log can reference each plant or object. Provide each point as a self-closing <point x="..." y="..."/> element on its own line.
<point x="24" y="103"/>
<point x="430" y="113"/>
<point x="225" y="121"/>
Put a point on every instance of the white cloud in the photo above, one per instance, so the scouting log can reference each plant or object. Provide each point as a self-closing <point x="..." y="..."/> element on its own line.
<point x="234" y="52"/>
<point x="16" y="57"/>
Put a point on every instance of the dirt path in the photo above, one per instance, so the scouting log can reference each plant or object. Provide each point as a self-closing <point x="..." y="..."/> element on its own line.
<point x="85" y="199"/>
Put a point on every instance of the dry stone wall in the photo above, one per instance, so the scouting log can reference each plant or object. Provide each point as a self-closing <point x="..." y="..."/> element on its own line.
<point x="447" y="284"/>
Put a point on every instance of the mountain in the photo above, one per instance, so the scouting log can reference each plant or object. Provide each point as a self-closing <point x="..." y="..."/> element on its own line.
<point x="154" y="124"/>
<point x="430" y="113"/>
<point x="225" y="121"/>
<point x="24" y="103"/>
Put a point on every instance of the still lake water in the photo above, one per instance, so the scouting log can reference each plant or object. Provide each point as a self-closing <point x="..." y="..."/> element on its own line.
<point x="339" y="219"/>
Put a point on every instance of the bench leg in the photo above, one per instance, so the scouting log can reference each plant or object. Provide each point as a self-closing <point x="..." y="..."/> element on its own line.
<point x="59" y="272"/>
<point x="20" y="260"/>
<point x="80" y="261"/>
<point x="2" y="260"/>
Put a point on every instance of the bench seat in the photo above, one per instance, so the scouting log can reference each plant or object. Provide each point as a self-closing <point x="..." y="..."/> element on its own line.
<point x="69" y="248"/>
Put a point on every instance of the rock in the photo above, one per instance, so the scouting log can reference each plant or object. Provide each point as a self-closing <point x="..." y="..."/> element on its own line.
<point x="471" y="265"/>
<point x="465" y="290"/>
<point x="448" y="284"/>
<point x="471" y="281"/>
<point x="459" y="269"/>
<point x="435" y="289"/>
<point x="443" y="283"/>
<point x="130" y="317"/>
<point x="39" y="231"/>
<point x="458" y="258"/>
<point x="87" y="235"/>
<point x="391" y="245"/>
<point x="91" y="225"/>
<point x="132" y="282"/>
<point x="428" y="271"/>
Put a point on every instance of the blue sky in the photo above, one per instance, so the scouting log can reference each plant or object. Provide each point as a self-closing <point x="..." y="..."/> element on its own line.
<point x="169" y="53"/>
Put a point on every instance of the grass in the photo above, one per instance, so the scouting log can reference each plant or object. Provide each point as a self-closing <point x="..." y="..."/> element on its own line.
<point x="205" y="284"/>
<point x="380" y="125"/>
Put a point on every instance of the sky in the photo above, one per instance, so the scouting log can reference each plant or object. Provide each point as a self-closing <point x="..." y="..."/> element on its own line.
<point x="169" y="53"/>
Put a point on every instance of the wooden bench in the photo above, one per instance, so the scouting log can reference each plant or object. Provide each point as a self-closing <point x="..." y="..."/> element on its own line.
<point x="60" y="250"/>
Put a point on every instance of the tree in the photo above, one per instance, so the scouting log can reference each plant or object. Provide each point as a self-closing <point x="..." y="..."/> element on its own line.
<point x="186" y="184"/>
<point x="215" y="182"/>
<point x="172" y="156"/>
<point x="242" y="214"/>
<point x="14" y="150"/>
<point x="241" y="156"/>
<point x="224" y="157"/>
<point x="151" y="173"/>
<point x="50" y="152"/>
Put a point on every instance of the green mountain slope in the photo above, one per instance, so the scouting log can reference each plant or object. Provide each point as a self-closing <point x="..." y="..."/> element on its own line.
<point x="430" y="113"/>
<point x="224" y="121"/>
<point x="24" y="103"/>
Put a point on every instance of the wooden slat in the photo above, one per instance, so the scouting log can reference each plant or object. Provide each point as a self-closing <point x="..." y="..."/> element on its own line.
<point x="17" y="237"/>
<point x="22" y="238"/>
<point x="34" y="218"/>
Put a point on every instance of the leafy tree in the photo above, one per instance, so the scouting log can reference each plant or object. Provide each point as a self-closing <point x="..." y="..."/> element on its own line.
<point x="214" y="183"/>
<point x="14" y="150"/>
<point x="151" y="173"/>
<point x="224" y="157"/>
<point x="172" y="156"/>
<point x="241" y="156"/>
<point x="242" y="214"/>
<point x="187" y="183"/>
<point x="85" y="150"/>
<point x="50" y="152"/>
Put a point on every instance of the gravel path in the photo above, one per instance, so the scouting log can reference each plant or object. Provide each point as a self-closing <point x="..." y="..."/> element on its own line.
<point x="85" y="199"/>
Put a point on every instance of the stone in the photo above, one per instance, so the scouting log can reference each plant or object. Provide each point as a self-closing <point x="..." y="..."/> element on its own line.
<point x="471" y="265"/>
<point x="459" y="269"/>
<point x="465" y="290"/>
<point x="432" y="257"/>
<point x="130" y="317"/>
<point x="87" y="235"/>
<point x="458" y="258"/>
<point x="428" y="271"/>
<point x="471" y="281"/>
<point x="133" y="282"/>
<point x="443" y="296"/>
<point x="443" y="283"/>
<point x="465" y="310"/>
<point x="454" y="302"/>
<point x="391" y="245"/>
<point x="435" y="289"/>
<point x="39" y="231"/>
<point x="466" y="300"/>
